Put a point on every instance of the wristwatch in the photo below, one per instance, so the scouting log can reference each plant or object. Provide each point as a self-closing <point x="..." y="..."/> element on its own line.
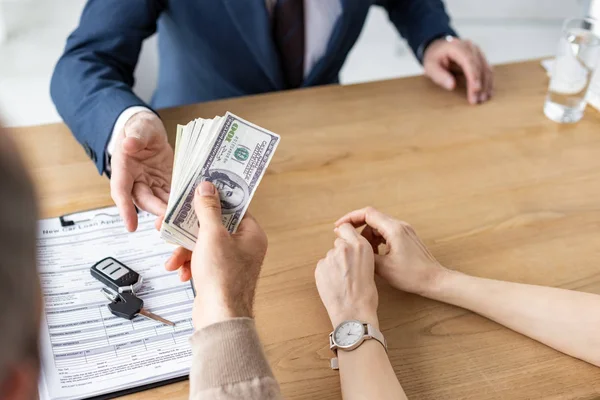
<point x="349" y="335"/>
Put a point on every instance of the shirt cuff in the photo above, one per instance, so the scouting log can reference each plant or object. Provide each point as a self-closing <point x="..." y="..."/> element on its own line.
<point x="120" y="124"/>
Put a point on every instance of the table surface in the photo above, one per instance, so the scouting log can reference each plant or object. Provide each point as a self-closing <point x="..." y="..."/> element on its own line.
<point x="495" y="190"/>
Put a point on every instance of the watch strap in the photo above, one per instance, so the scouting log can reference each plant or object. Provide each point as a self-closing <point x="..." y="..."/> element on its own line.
<point x="374" y="333"/>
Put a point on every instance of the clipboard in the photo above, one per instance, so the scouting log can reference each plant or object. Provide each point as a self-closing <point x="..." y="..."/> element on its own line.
<point x="79" y="217"/>
<point x="138" y="389"/>
<point x="102" y="224"/>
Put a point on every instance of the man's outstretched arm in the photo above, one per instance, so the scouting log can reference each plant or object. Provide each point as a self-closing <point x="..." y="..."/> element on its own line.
<point x="91" y="88"/>
<point x="93" y="79"/>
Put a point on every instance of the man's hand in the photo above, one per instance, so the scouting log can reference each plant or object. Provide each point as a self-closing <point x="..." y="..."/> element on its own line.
<point x="141" y="167"/>
<point x="225" y="266"/>
<point x="346" y="279"/>
<point x="407" y="265"/>
<point x="442" y="59"/>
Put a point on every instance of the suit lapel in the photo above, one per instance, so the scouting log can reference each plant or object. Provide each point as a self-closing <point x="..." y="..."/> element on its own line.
<point x="251" y="19"/>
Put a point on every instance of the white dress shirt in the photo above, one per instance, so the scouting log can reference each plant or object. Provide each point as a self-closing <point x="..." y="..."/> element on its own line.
<point x="320" y="17"/>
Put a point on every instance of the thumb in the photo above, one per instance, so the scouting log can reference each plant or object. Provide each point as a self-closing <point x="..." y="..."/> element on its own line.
<point x="134" y="142"/>
<point x="441" y="76"/>
<point x="140" y="130"/>
<point x="207" y="206"/>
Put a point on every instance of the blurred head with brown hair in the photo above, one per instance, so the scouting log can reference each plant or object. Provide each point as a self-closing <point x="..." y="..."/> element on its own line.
<point x="20" y="296"/>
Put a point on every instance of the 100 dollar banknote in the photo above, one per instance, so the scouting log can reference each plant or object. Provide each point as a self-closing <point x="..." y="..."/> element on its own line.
<point x="235" y="162"/>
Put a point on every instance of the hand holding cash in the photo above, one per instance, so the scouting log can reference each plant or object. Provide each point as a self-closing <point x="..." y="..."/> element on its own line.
<point x="228" y="151"/>
<point x="228" y="264"/>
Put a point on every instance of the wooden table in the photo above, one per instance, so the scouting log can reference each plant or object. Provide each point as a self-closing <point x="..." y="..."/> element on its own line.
<point x="495" y="190"/>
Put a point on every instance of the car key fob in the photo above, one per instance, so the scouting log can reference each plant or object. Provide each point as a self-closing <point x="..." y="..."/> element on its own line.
<point x="116" y="275"/>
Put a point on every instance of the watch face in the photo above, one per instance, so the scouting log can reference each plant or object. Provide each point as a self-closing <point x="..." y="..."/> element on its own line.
<point x="348" y="333"/>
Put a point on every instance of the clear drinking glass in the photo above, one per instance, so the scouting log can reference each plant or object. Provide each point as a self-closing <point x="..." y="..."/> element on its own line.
<point x="578" y="54"/>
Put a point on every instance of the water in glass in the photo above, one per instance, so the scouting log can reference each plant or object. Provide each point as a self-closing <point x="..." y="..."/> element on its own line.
<point x="573" y="69"/>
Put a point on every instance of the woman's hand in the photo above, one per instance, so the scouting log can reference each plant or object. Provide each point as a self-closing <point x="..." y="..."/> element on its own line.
<point x="406" y="264"/>
<point x="346" y="279"/>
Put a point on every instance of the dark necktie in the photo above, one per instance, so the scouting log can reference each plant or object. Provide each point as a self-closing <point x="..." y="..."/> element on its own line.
<point x="288" y="33"/>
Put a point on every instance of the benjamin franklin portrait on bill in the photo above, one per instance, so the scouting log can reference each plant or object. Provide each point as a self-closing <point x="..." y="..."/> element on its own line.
<point x="233" y="190"/>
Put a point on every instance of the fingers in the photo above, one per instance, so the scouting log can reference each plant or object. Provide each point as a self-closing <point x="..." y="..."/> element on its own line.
<point x="158" y="222"/>
<point x="490" y="82"/>
<point x="251" y="236"/>
<point x="161" y="194"/>
<point x="180" y="261"/>
<point x="488" y="76"/>
<point x="471" y="68"/>
<point x="248" y="224"/>
<point x="185" y="272"/>
<point x="207" y="206"/>
<point x="146" y="200"/>
<point x="120" y="191"/>
<point x="441" y="76"/>
<point x="373" y="237"/>
<point x="383" y="223"/>
<point x="180" y="256"/>
<point x="347" y="233"/>
<point x="440" y="57"/>
<point x="138" y="134"/>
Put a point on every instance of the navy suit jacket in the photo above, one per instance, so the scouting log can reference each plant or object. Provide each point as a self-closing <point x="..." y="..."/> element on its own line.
<point x="209" y="49"/>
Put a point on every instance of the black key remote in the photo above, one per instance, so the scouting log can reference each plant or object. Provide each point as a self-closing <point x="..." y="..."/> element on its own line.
<point x="116" y="275"/>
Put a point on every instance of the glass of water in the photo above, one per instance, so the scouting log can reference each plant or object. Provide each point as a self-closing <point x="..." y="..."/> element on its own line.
<point x="578" y="54"/>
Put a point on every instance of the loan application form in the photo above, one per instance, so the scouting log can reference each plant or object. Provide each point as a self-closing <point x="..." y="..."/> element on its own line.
<point x="86" y="351"/>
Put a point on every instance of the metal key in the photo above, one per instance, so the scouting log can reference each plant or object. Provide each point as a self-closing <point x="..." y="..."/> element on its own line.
<point x="127" y="305"/>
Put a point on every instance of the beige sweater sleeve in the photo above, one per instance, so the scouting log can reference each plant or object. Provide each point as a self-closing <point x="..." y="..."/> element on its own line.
<point x="229" y="363"/>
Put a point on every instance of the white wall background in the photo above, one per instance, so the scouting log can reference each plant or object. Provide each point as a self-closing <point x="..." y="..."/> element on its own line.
<point x="508" y="30"/>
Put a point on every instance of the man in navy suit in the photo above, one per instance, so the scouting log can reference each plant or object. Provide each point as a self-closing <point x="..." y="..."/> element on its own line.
<point x="212" y="49"/>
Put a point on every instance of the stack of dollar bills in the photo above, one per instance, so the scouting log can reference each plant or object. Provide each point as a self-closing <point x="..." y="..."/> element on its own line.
<point x="228" y="151"/>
